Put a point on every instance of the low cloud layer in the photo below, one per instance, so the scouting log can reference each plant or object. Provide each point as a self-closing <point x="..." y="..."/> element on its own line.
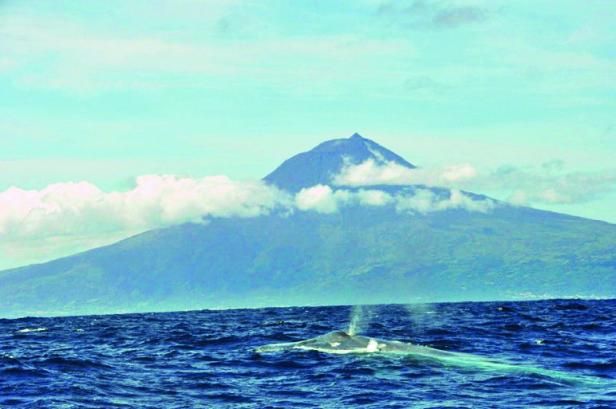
<point x="425" y="201"/>
<point x="548" y="183"/>
<point x="82" y="209"/>
<point x="69" y="209"/>
<point x="66" y="218"/>
<point x="373" y="173"/>
<point x="324" y="199"/>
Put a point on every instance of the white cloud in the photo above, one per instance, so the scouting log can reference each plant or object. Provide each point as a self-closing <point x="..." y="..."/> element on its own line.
<point x="546" y="183"/>
<point x="65" y="218"/>
<point x="372" y="173"/>
<point x="78" y="209"/>
<point x="83" y="210"/>
<point x="88" y="59"/>
<point x="544" y="186"/>
<point x="321" y="198"/>
<point x="422" y="201"/>
<point x="426" y="201"/>
<point x="70" y="209"/>
<point x="373" y="197"/>
<point x="324" y="199"/>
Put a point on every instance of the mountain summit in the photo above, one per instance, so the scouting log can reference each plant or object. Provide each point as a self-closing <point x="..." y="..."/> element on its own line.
<point x="319" y="165"/>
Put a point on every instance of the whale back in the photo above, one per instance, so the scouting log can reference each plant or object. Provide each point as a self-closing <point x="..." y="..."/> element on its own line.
<point x="336" y="341"/>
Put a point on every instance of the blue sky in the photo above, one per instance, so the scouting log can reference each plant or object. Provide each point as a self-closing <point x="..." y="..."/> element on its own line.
<point x="105" y="91"/>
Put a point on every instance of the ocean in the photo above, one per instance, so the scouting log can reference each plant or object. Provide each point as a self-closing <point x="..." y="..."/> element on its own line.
<point x="558" y="353"/>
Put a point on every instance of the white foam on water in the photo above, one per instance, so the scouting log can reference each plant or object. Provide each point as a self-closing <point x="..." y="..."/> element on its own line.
<point x="372" y="346"/>
<point x="26" y="330"/>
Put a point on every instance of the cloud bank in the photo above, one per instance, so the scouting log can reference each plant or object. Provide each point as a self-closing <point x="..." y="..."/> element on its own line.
<point x="324" y="199"/>
<point x="82" y="209"/>
<point x="321" y="198"/>
<point x="69" y="209"/>
<point x="548" y="183"/>
<point x="373" y="173"/>
<point x="425" y="201"/>
<point x="66" y="218"/>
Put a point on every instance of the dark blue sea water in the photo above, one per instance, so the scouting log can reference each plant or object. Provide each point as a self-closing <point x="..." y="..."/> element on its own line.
<point x="206" y="359"/>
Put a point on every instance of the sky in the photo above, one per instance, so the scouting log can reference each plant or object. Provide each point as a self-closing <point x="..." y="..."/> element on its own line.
<point x="95" y="96"/>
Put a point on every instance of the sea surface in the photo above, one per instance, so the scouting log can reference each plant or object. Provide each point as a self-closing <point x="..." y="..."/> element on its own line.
<point x="558" y="353"/>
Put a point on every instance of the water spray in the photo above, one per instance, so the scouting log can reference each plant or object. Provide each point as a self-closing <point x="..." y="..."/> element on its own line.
<point x="356" y="319"/>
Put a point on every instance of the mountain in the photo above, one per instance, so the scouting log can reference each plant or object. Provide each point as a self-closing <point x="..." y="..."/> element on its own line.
<point x="359" y="254"/>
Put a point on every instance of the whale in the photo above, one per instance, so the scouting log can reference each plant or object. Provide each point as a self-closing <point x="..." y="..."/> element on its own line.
<point x="341" y="342"/>
<point x="335" y="342"/>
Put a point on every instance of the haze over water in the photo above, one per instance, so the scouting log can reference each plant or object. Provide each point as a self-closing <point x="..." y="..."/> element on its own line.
<point x="208" y="358"/>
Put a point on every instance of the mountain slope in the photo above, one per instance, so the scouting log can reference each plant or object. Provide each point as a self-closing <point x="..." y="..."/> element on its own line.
<point x="361" y="254"/>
